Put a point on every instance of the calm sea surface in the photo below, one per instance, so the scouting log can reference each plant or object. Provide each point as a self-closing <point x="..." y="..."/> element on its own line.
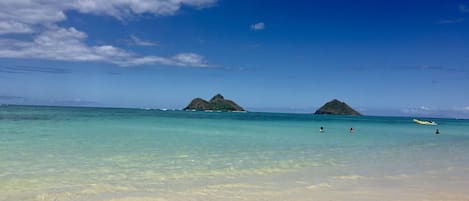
<point x="69" y="153"/>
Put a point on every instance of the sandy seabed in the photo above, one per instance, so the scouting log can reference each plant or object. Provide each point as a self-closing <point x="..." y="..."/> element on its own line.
<point x="442" y="185"/>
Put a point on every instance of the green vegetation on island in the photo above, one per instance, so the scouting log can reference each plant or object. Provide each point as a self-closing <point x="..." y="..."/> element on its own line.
<point x="337" y="107"/>
<point x="217" y="103"/>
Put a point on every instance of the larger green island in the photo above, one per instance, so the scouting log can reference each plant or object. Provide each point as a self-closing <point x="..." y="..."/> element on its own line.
<point x="217" y="103"/>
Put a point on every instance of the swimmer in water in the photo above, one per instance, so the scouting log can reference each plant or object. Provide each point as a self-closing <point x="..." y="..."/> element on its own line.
<point x="437" y="131"/>
<point x="352" y="130"/>
<point x="321" y="130"/>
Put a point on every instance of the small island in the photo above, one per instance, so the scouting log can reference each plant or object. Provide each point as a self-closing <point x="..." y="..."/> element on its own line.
<point x="217" y="103"/>
<point x="337" y="107"/>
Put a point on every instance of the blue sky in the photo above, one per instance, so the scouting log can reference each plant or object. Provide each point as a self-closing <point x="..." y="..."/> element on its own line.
<point x="381" y="57"/>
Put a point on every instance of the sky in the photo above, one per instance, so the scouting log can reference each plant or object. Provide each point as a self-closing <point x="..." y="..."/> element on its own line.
<point x="404" y="58"/>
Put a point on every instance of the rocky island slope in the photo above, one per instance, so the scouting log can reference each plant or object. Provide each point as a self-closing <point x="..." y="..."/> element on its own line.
<point x="338" y="108"/>
<point x="218" y="103"/>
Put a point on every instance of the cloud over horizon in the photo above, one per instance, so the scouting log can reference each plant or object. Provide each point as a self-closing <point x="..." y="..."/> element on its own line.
<point x="425" y="111"/>
<point x="52" y="42"/>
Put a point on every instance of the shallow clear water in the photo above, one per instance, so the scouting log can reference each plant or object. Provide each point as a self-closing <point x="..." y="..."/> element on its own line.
<point x="99" y="153"/>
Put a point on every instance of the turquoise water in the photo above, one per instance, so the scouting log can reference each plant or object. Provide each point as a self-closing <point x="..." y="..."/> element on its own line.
<point x="68" y="153"/>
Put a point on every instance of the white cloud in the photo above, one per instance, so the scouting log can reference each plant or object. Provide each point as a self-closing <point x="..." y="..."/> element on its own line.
<point x="139" y="42"/>
<point x="182" y="59"/>
<point x="450" y="21"/>
<point x="44" y="12"/>
<point x="424" y="108"/>
<point x="68" y="45"/>
<point x="463" y="8"/>
<point x="455" y="112"/>
<point x="189" y="59"/>
<point x="50" y="41"/>
<point x="31" y="13"/>
<point x="54" y="44"/>
<point x="258" y="26"/>
<point x="14" y="27"/>
<point x="421" y="110"/>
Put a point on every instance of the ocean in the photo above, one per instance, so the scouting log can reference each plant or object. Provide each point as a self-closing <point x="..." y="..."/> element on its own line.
<point x="97" y="154"/>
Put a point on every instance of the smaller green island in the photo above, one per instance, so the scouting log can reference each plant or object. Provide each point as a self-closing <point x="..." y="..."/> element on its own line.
<point x="337" y="107"/>
<point x="217" y="103"/>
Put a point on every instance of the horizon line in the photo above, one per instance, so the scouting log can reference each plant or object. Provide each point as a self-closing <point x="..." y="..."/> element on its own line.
<point x="247" y="111"/>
